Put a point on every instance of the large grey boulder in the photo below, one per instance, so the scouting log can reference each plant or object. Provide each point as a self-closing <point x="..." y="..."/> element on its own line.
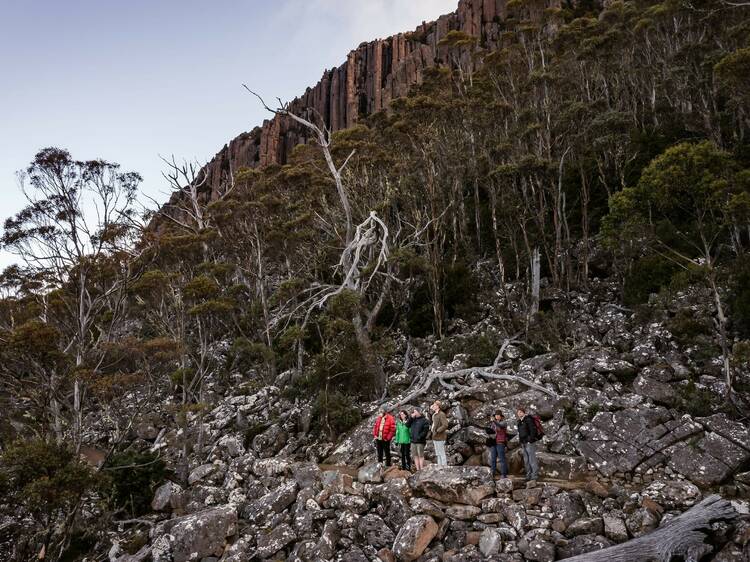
<point x="567" y="507"/>
<point x="561" y="467"/>
<point x="658" y="391"/>
<point x="374" y="532"/>
<point x="620" y="441"/>
<point x="490" y="542"/>
<point x="164" y="497"/>
<point x="614" y="526"/>
<point x="371" y="473"/>
<point x="270" y="442"/>
<point x="581" y="545"/>
<point x="673" y="494"/>
<point x="716" y="455"/>
<point x="195" y="536"/>
<point x="414" y="537"/>
<point x="454" y="484"/>
<point x="271" y="542"/>
<point x="271" y="503"/>
<point x="201" y="472"/>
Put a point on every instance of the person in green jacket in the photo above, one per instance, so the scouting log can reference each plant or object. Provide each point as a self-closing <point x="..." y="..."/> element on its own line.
<point x="403" y="439"/>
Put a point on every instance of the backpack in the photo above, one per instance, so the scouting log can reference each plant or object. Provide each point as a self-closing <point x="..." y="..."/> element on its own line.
<point x="538" y="427"/>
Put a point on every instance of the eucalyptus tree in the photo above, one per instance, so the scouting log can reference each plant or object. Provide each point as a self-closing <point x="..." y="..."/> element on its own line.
<point x="78" y="233"/>
<point x="678" y="210"/>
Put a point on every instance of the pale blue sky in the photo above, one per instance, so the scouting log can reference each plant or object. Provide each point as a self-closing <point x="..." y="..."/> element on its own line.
<point x="129" y="80"/>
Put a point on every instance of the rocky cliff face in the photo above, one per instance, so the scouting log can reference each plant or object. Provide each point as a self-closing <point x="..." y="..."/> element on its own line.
<point x="373" y="75"/>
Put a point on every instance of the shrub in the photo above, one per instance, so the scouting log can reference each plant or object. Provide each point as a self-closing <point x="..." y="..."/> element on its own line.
<point x="686" y="327"/>
<point x="592" y="410"/>
<point x="696" y="401"/>
<point x="132" y="480"/>
<point x="245" y="355"/>
<point x="45" y="478"/>
<point x="739" y="300"/>
<point x="460" y="292"/>
<point x="335" y="413"/>
<point x="648" y="275"/>
<point x="546" y="329"/>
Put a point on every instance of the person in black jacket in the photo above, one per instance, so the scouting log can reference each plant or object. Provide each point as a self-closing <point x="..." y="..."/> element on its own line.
<point x="418" y="430"/>
<point x="527" y="435"/>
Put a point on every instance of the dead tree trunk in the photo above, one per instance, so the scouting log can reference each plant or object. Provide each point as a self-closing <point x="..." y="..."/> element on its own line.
<point x="682" y="538"/>
<point x="535" y="283"/>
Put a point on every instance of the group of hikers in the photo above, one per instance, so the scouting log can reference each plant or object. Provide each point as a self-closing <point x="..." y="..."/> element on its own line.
<point x="412" y="430"/>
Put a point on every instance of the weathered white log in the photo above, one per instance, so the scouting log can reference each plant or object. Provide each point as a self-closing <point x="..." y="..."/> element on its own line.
<point x="486" y="372"/>
<point x="682" y="538"/>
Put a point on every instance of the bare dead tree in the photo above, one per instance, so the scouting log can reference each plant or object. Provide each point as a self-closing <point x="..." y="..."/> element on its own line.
<point x="365" y="253"/>
<point x="499" y="370"/>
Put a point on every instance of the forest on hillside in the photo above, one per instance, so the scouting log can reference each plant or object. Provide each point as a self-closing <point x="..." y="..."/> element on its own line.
<point x="607" y="143"/>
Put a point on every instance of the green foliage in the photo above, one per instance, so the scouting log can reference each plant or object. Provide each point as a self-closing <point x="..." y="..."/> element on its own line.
<point x="698" y="402"/>
<point x="461" y="291"/>
<point x="178" y="377"/>
<point x="546" y="331"/>
<point x="335" y="413"/>
<point x="245" y="355"/>
<point x="648" y="275"/>
<point x="686" y="326"/>
<point x="732" y="72"/>
<point x="132" y="478"/>
<point x="45" y="478"/>
<point x="592" y="410"/>
<point x="343" y="305"/>
<point x="739" y="298"/>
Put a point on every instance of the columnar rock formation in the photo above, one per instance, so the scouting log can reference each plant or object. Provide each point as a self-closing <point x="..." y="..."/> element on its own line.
<point x="374" y="74"/>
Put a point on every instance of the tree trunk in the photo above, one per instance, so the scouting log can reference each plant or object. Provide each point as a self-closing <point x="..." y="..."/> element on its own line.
<point x="535" y="282"/>
<point x="365" y="344"/>
<point x="721" y="322"/>
<point x="682" y="538"/>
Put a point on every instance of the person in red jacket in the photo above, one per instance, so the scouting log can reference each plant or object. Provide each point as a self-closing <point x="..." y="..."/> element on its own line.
<point x="383" y="432"/>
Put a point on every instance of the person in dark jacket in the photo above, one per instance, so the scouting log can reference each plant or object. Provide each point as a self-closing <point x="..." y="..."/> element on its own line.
<point x="527" y="435"/>
<point x="383" y="432"/>
<point x="418" y="430"/>
<point x="498" y="431"/>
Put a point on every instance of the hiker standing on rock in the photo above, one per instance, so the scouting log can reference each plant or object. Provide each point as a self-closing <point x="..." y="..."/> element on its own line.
<point x="403" y="439"/>
<point x="497" y="441"/>
<point x="418" y="430"/>
<point x="439" y="433"/>
<point x="528" y="436"/>
<point x="383" y="432"/>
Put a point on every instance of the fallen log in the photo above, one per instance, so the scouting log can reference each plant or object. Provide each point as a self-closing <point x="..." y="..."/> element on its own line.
<point x="486" y="372"/>
<point x="682" y="538"/>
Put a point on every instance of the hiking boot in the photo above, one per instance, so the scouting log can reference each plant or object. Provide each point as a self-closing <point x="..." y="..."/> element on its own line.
<point x="531" y="483"/>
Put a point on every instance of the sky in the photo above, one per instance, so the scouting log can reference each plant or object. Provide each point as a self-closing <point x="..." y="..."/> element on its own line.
<point x="128" y="81"/>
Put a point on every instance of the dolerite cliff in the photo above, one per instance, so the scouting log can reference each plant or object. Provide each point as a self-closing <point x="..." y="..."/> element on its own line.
<point x="373" y="75"/>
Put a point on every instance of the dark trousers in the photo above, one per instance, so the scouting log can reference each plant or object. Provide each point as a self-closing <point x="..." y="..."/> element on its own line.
<point x="406" y="456"/>
<point x="384" y="448"/>
<point x="498" y="451"/>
